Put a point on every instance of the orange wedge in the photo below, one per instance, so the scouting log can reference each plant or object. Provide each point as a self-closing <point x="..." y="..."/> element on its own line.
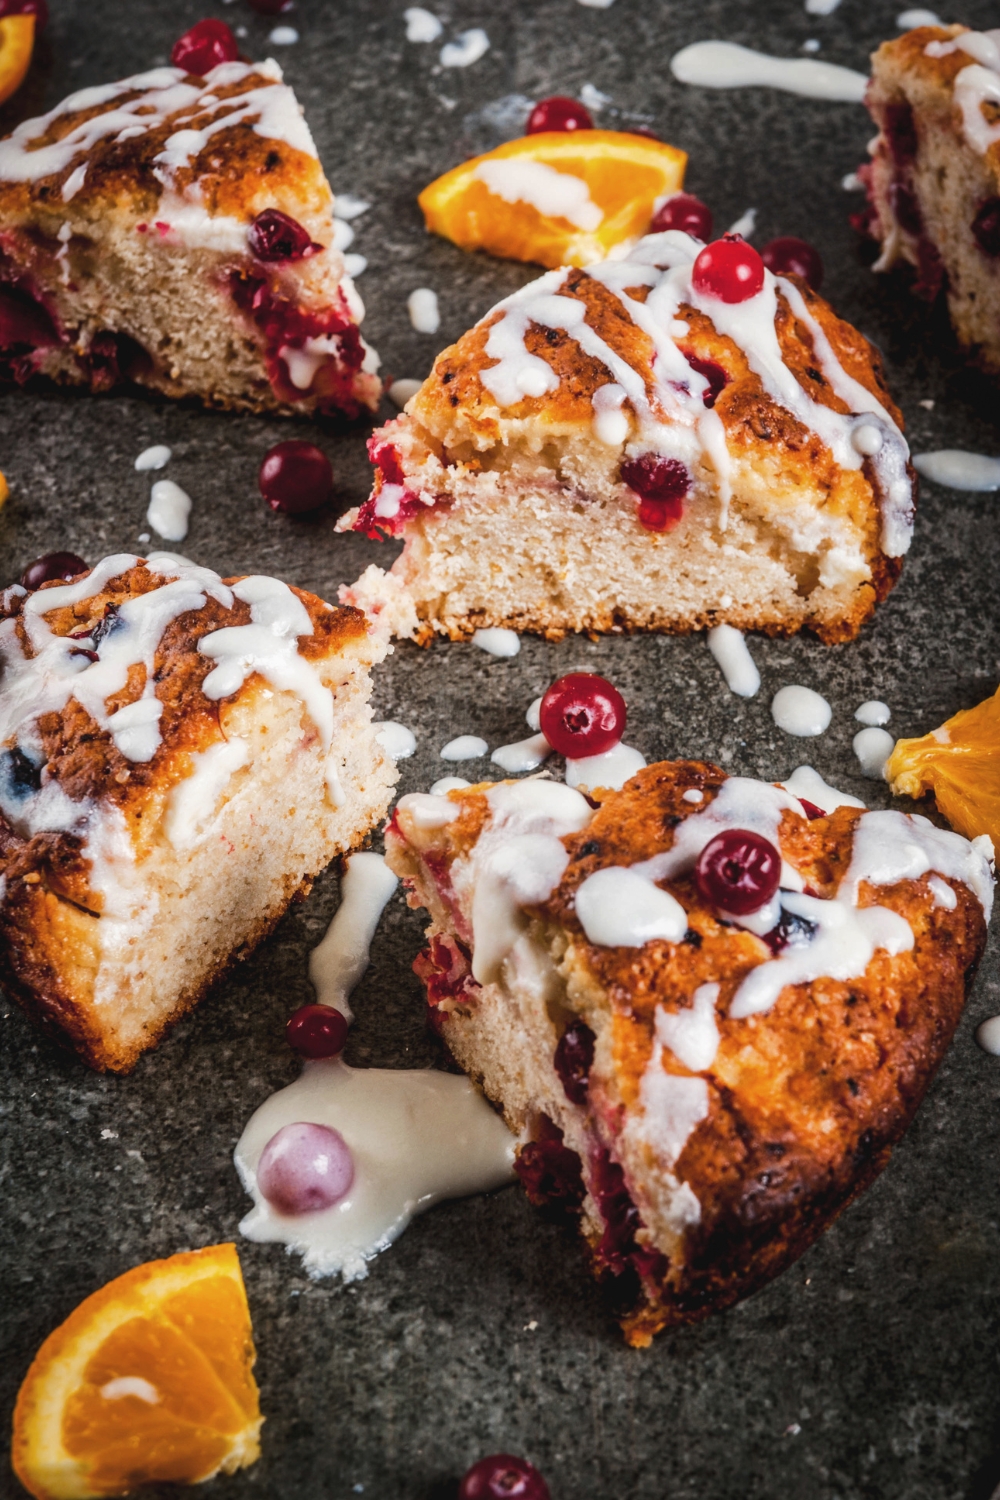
<point x="557" y="198"/>
<point x="960" y="764"/>
<point x="148" y="1381"/>
<point x="17" y="37"/>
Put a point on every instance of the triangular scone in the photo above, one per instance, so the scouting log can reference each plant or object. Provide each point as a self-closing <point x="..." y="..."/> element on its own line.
<point x="131" y="247"/>
<point x="706" y="1100"/>
<point x="610" y="450"/>
<point x="179" y="757"/>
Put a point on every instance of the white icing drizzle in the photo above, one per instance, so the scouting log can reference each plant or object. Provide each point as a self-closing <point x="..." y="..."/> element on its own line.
<point x="873" y="712"/>
<point x="745" y="224"/>
<point x="421" y="25"/>
<point x="873" y="746"/>
<point x="398" y="742"/>
<point x="422" y="305"/>
<point x="725" y="65"/>
<point x="807" y="783"/>
<point x="156" y="457"/>
<point x="497" y="641"/>
<point x="467" y="48"/>
<point x="800" y="711"/>
<point x="533" y="717"/>
<point x="402" y="391"/>
<point x="337" y="964"/>
<point x="464" y="747"/>
<point x="692" y="1034"/>
<point x="943" y="893"/>
<point x="429" y="809"/>
<point x="891" y="846"/>
<point x="673" y="420"/>
<point x="449" y="784"/>
<point x="958" y="470"/>
<point x="283" y="36"/>
<point x="988" y="1036"/>
<point x="620" y="908"/>
<point x="161" y="93"/>
<point x="524" y="755"/>
<point x="558" y="195"/>
<point x="739" y="803"/>
<point x="192" y="803"/>
<point x="909" y="20"/>
<point x="610" y="769"/>
<point x="169" y="509"/>
<point x="975" y="85"/>
<point x="728" y="646"/>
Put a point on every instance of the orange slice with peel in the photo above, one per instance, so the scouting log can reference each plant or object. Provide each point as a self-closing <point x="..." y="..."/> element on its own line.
<point x="558" y="198"/>
<point x="960" y="764"/>
<point x="149" y="1380"/>
<point x="17" y="38"/>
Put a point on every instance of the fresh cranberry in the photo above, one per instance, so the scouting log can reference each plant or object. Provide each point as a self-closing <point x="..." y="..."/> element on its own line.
<point x="729" y="270"/>
<point x="277" y="236"/>
<point x="901" y="132"/>
<point x="316" y="1031"/>
<point x="296" y="477"/>
<point x="305" y="1167"/>
<point x="790" y="254"/>
<point x="738" y="871"/>
<point x="272" y="7"/>
<point x="713" y="373"/>
<point x="810" y="809"/>
<point x="61" y="565"/>
<point x="503" y="1477"/>
<point x="201" y="49"/>
<point x="36" y="8"/>
<point x="573" y="1061"/>
<point x="558" y="113"/>
<point x="550" y="1171"/>
<point x="986" y="227"/>
<point x="685" y="212"/>
<point x="661" y="484"/>
<point x="582" y="714"/>
<point x="906" y="208"/>
<point x="618" y="1248"/>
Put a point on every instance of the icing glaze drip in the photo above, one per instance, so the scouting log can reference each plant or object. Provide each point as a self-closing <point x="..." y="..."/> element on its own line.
<point x="725" y="65"/>
<point x="976" y="85"/>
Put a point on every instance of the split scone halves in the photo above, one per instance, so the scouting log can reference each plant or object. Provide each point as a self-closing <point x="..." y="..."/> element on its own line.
<point x="616" y="449"/>
<point x="934" y="178"/>
<point x="706" y="1089"/>
<point x="176" y="231"/>
<point x="179" y="757"/>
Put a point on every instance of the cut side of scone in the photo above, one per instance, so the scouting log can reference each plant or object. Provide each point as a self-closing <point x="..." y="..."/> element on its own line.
<point x="179" y="758"/>
<point x="934" y="178"/>
<point x="176" y="231"/>
<point x="616" y="449"/>
<point x="705" y="1089"/>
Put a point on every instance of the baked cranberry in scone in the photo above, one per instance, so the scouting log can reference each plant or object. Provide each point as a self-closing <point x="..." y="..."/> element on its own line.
<point x="175" y="230"/>
<point x="675" y="440"/>
<point x="704" y="1058"/>
<point x="179" y="757"/>
<point x="934" y="178"/>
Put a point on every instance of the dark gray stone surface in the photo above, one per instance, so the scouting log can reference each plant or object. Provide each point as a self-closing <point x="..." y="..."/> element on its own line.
<point x="869" y="1369"/>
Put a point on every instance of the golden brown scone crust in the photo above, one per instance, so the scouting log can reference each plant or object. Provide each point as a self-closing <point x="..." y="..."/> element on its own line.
<point x="238" y="173"/>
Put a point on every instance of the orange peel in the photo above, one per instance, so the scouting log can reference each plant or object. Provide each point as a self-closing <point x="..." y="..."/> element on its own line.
<point x="17" y="40"/>
<point x="960" y="764"/>
<point x="557" y="198"/>
<point x="148" y="1381"/>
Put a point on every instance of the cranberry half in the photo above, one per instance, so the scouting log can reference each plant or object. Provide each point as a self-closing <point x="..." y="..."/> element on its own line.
<point x="986" y="227"/>
<point x="36" y="8"/>
<point x="738" y="871"/>
<point x="277" y="236"/>
<point x="662" y="485"/>
<point x="61" y="565"/>
<point x="503" y="1477"/>
<point x="685" y="212"/>
<point x="729" y="270"/>
<point x="316" y="1031"/>
<point x="573" y="1061"/>
<point x="790" y="254"/>
<point x="296" y="477"/>
<point x="582" y="714"/>
<point x="558" y="113"/>
<point x="201" y="49"/>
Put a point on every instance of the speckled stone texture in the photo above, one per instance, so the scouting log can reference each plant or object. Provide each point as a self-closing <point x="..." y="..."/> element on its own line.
<point x="871" y="1368"/>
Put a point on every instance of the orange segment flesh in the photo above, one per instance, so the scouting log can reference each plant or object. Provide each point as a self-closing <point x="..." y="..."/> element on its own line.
<point x="625" y="174"/>
<point x="17" y="37"/>
<point x="960" y="764"/>
<point x="148" y="1381"/>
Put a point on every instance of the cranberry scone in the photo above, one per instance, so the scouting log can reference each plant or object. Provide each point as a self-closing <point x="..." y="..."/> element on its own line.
<point x="934" y="178"/>
<point x="707" y="1007"/>
<point x="179" y="757"/>
<point x="676" y="440"/>
<point x="176" y="231"/>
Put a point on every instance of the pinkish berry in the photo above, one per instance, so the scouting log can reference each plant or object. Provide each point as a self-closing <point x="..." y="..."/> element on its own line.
<point x="713" y="373"/>
<point x="304" y="1168"/>
<point x="790" y="254"/>
<point x="558" y="113"/>
<point x="582" y="714"/>
<point x="296" y="477"/>
<point x="662" y="485"/>
<point x="685" y="212"/>
<point x="316" y="1031"/>
<point x="201" y="49"/>
<point x="738" y="871"/>
<point x="277" y="236"/>
<point x="62" y="565"/>
<point x="729" y="270"/>
<point x="573" y="1061"/>
<point x="503" y="1477"/>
